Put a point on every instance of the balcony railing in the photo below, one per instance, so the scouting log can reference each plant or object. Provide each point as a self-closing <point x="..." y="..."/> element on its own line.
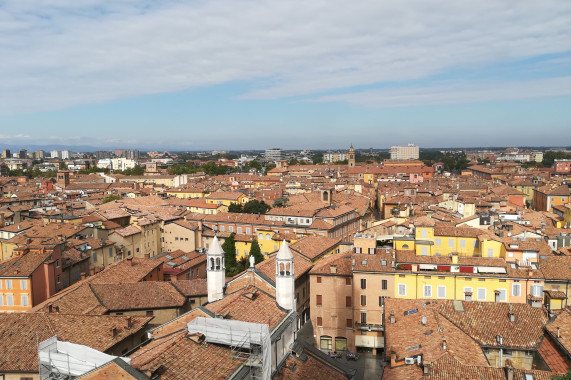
<point x="369" y="326"/>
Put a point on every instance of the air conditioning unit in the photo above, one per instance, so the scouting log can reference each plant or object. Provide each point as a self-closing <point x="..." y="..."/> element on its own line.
<point x="408" y="360"/>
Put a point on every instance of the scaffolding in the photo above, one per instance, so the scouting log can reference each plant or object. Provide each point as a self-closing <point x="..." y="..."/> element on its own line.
<point x="249" y="342"/>
<point x="65" y="361"/>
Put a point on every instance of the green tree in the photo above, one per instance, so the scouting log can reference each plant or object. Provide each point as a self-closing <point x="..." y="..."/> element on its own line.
<point x="235" y="207"/>
<point x="229" y="248"/>
<point x="111" y="198"/>
<point x="256" y="207"/>
<point x="566" y="376"/>
<point x="256" y="251"/>
<point x="550" y="156"/>
<point x="280" y="202"/>
<point x="253" y="165"/>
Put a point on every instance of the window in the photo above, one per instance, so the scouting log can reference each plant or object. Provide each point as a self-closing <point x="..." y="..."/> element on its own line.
<point x="348" y="302"/>
<point x="427" y="292"/>
<point x="363" y="300"/>
<point x="349" y="323"/>
<point x="260" y="236"/>
<point x="503" y="295"/>
<point x="363" y="283"/>
<point x="462" y="243"/>
<point x="348" y="281"/>
<point x="424" y="251"/>
<point x="150" y="313"/>
<point x="384" y="284"/>
<point x="490" y="252"/>
<point x="137" y="250"/>
<point x="23" y="284"/>
<point x="536" y="290"/>
<point x="438" y="242"/>
<point x="451" y="242"/>
<point x="231" y="228"/>
<point x="95" y="256"/>
<point x="381" y="301"/>
<point x="441" y="291"/>
<point x="319" y="279"/>
<point x="24" y="299"/>
<point x="239" y="230"/>
<point x="318" y="300"/>
<point x="57" y="263"/>
<point x="58" y="278"/>
<point x="9" y="300"/>
<point x="325" y="343"/>
<point x="516" y="290"/>
<point x="8" y="284"/>
<point x="319" y="321"/>
<point x="110" y="252"/>
<point x="481" y="294"/>
<point x="268" y="237"/>
<point x="340" y="344"/>
<point x="476" y="243"/>
<point x="423" y="233"/>
<point x="363" y="317"/>
<point x="402" y="290"/>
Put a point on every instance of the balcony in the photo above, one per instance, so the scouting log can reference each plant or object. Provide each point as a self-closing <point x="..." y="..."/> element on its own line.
<point x="368" y="326"/>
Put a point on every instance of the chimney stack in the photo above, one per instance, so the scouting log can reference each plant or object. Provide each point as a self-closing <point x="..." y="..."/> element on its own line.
<point x="113" y="331"/>
<point x="128" y="323"/>
<point x="82" y="275"/>
<point x="392" y="317"/>
<point x="147" y="256"/>
<point x="130" y="261"/>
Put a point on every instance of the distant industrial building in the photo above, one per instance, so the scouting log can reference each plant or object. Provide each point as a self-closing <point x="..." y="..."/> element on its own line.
<point x="409" y="152"/>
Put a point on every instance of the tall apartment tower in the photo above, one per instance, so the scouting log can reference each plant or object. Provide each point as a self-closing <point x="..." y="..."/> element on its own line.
<point x="409" y="152"/>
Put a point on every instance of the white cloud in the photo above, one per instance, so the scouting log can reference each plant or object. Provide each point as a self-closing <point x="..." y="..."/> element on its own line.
<point x="14" y="137"/>
<point x="455" y="93"/>
<point x="64" y="52"/>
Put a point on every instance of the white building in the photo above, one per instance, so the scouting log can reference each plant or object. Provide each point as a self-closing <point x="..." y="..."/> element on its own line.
<point x="409" y="152"/>
<point x="55" y="154"/>
<point x="65" y="154"/>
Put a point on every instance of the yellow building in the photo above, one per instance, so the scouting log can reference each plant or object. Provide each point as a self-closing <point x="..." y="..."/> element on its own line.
<point x="226" y="198"/>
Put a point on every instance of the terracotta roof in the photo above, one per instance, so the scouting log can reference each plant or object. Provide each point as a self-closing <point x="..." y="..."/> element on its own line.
<point x="300" y="266"/>
<point x="262" y="309"/>
<point x="525" y="333"/>
<point x="554" y="358"/>
<point x="342" y="262"/>
<point x="563" y="322"/>
<point x="313" y="246"/>
<point x="139" y="295"/>
<point x="191" y="288"/>
<point x="23" y="330"/>
<point x="24" y="265"/>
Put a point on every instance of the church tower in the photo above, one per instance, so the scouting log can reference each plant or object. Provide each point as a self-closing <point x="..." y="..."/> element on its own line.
<point x="285" y="278"/>
<point x="351" y="157"/>
<point x="215" y="271"/>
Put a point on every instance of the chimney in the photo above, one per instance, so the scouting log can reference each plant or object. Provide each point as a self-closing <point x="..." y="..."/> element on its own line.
<point x="128" y="323"/>
<point x="426" y="369"/>
<point x="444" y="345"/>
<point x="392" y="317"/>
<point x="83" y="275"/>
<point x="509" y="372"/>
<point x="51" y="310"/>
<point x="147" y="256"/>
<point x="113" y="331"/>
<point x="333" y="269"/>
<point x="130" y="261"/>
<point x="558" y="334"/>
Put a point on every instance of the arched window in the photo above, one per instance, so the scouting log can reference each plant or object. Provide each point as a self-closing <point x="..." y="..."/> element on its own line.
<point x="211" y="263"/>
<point x="218" y="263"/>
<point x="325" y="196"/>
<point x="405" y="246"/>
<point x="260" y="236"/>
<point x="288" y="269"/>
<point x="268" y="237"/>
<point x="281" y="269"/>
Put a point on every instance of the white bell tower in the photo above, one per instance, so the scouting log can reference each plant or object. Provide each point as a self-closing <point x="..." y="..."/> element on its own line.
<point x="285" y="278"/>
<point x="215" y="271"/>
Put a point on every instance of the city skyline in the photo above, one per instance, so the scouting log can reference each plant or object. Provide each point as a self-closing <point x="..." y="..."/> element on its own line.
<point x="246" y="75"/>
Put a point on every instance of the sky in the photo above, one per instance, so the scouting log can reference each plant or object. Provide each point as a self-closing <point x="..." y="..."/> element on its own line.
<point x="244" y="74"/>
